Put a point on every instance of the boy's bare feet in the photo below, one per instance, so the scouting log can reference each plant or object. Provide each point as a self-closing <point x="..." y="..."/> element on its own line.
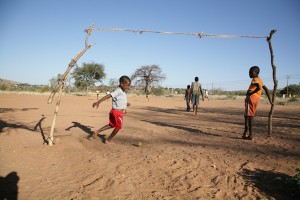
<point x="109" y="142"/>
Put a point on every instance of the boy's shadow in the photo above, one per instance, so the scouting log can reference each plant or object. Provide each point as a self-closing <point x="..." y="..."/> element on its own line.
<point x="86" y="129"/>
<point x="102" y="137"/>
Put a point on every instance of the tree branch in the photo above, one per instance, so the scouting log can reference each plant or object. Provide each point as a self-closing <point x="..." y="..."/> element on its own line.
<point x="269" y="40"/>
<point x="71" y="65"/>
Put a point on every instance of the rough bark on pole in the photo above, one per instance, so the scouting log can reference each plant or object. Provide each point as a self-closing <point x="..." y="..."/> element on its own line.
<point x="51" y="136"/>
<point x="61" y="84"/>
<point x="269" y="40"/>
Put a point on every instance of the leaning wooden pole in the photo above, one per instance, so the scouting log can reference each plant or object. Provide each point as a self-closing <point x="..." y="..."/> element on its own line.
<point x="269" y="40"/>
<point x="61" y="83"/>
<point x="71" y="65"/>
<point x="51" y="136"/>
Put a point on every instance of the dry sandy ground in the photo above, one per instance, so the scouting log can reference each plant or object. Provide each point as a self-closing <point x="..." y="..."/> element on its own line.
<point x="182" y="156"/>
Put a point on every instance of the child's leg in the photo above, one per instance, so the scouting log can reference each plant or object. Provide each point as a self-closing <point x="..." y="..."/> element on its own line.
<point x="114" y="132"/>
<point x="196" y="104"/>
<point x="95" y="133"/>
<point x="246" y="127"/>
<point x="250" y="121"/>
<point x="188" y="108"/>
<point x="252" y="103"/>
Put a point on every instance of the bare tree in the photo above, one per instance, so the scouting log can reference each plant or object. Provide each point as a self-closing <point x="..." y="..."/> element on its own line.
<point x="147" y="76"/>
<point x="113" y="82"/>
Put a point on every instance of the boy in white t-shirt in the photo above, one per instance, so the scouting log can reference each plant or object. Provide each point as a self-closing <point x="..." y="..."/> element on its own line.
<point x="119" y="105"/>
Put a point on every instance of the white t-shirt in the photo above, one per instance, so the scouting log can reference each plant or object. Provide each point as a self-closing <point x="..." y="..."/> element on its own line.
<point x="119" y="99"/>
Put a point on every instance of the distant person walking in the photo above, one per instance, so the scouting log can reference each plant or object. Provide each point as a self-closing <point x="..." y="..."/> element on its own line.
<point x="252" y="99"/>
<point x="107" y="92"/>
<point x="97" y="92"/>
<point x="196" y="90"/>
<point x="187" y="97"/>
<point x="206" y="95"/>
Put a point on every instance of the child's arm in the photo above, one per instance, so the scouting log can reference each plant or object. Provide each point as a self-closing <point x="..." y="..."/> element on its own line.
<point x="268" y="94"/>
<point x="249" y="93"/>
<point x="125" y="110"/>
<point x="186" y="94"/>
<point x="201" y="93"/>
<point x="96" y="104"/>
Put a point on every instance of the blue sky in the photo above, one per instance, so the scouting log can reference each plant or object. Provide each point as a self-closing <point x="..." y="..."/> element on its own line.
<point x="38" y="39"/>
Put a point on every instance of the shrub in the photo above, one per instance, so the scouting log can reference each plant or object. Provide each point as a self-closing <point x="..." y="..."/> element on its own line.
<point x="44" y="89"/>
<point x="281" y="103"/>
<point x="230" y="97"/>
<point x="293" y="99"/>
<point x="159" y="91"/>
<point x="3" y="87"/>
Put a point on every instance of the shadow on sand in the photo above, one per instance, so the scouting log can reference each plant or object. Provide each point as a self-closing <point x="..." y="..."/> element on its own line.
<point x="39" y="125"/>
<point x="16" y="125"/>
<point x="9" y="186"/>
<point x="272" y="184"/>
<point x="192" y="130"/>
<point x="86" y="129"/>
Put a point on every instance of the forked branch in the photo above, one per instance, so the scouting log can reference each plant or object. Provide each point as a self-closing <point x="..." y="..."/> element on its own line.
<point x="269" y="40"/>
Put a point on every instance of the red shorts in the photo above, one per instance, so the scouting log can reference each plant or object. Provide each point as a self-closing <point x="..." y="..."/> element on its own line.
<point x="251" y="105"/>
<point x="116" y="119"/>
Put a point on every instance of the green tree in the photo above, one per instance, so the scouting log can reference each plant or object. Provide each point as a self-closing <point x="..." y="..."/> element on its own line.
<point x="54" y="81"/>
<point x="87" y="75"/>
<point x="293" y="89"/>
